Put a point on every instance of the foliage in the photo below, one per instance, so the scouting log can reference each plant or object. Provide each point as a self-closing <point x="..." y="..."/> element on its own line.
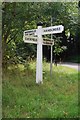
<point x="20" y="16"/>
<point x="58" y="49"/>
<point x="74" y="59"/>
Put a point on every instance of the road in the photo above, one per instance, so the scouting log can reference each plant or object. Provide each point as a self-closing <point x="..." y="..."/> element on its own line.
<point x="71" y="65"/>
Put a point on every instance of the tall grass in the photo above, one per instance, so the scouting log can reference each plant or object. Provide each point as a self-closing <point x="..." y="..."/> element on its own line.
<point x="57" y="97"/>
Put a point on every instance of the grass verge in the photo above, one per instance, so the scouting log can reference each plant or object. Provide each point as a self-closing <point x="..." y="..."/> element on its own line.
<point x="57" y="97"/>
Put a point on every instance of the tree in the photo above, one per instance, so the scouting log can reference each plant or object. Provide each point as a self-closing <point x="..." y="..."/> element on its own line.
<point x="17" y="17"/>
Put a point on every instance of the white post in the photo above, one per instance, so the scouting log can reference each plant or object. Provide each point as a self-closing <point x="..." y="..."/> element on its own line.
<point x="39" y="56"/>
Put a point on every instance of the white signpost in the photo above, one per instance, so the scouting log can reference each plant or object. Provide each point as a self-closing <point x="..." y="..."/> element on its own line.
<point x="35" y="36"/>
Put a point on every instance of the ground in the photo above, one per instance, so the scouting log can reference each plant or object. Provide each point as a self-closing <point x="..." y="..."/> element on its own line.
<point x="71" y="65"/>
<point x="57" y="97"/>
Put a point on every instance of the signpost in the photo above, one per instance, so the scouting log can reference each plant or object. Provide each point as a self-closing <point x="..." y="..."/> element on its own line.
<point x="35" y="36"/>
<point x="39" y="56"/>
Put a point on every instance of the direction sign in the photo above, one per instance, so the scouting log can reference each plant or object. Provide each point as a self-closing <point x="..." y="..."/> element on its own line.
<point x="30" y="39"/>
<point x="44" y="31"/>
<point x="30" y="32"/>
<point x="50" y="30"/>
<point x="53" y="29"/>
<point x="46" y="41"/>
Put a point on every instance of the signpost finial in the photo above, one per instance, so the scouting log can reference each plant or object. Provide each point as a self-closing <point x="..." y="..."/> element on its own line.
<point x="39" y="24"/>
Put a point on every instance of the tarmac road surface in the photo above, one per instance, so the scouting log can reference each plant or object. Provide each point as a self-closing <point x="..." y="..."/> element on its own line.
<point x="71" y="65"/>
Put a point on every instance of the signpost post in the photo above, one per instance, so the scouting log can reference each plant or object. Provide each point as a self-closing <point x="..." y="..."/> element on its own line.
<point x="35" y="36"/>
<point x="39" y="55"/>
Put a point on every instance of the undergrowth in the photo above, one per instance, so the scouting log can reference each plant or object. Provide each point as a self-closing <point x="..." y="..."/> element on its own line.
<point x="57" y="97"/>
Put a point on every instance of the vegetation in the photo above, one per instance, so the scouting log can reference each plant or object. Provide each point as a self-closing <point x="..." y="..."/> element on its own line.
<point x="73" y="59"/>
<point x="56" y="98"/>
<point x="20" y="16"/>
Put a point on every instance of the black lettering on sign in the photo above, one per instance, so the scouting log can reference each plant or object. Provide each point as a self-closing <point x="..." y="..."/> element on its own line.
<point x="26" y="34"/>
<point x="59" y="28"/>
<point x="50" y="30"/>
<point x="53" y="29"/>
<point x="30" y="31"/>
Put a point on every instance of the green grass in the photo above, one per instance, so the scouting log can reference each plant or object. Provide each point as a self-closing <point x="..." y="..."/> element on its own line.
<point x="56" y="97"/>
